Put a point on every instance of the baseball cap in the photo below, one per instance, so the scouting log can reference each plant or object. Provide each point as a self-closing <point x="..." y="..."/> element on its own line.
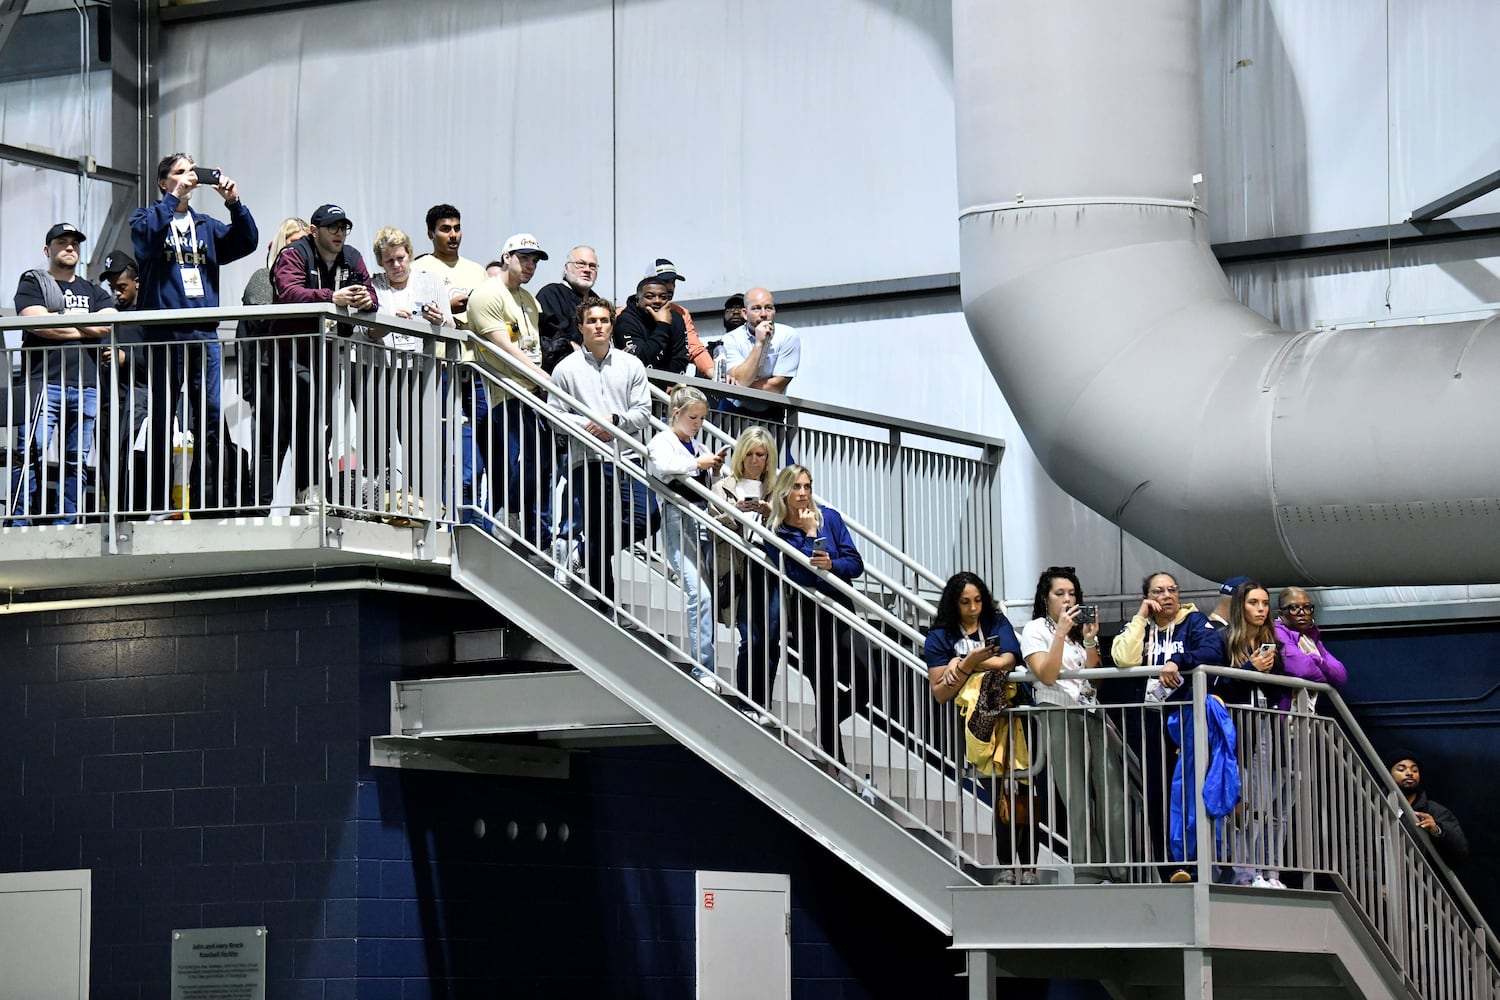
<point x="65" y="229"/>
<point x="1231" y="583"/>
<point x="735" y="301"/>
<point x="665" y="270"/>
<point x="330" y="215"/>
<point x="117" y="261"/>
<point x="524" y="243"/>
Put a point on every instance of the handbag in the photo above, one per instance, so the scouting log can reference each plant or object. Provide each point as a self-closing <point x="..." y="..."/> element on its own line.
<point x="994" y="739"/>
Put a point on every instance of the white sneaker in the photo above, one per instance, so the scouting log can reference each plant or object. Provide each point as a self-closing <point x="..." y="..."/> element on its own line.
<point x="758" y="717"/>
<point x="1275" y="883"/>
<point x="1261" y="883"/>
<point x="560" y="561"/>
<point x="705" y="677"/>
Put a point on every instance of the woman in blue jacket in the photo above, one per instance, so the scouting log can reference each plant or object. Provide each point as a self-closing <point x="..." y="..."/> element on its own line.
<point x="826" y="646"/>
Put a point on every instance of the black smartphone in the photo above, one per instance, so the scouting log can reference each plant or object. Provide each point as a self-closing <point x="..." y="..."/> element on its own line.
<point x="208" y="176"/>
<point x="993" y="643"/>
<point x="1087" y="614"/>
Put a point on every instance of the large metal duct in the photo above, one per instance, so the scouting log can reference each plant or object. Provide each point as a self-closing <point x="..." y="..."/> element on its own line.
<point x="1366" y="456"/>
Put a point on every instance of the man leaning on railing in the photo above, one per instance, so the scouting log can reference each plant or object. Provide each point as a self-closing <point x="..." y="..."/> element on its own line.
<point x="62" y="379"/>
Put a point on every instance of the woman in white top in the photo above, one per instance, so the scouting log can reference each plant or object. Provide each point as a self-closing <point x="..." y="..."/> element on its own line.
<point x="391" y="382"/>
<point x="676" y="455"/>
<point x="404" y="293"/>
<point x="1084" y="759"/>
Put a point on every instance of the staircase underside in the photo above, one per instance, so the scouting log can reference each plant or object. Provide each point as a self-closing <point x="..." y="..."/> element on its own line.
<point x="1139" y="939"/>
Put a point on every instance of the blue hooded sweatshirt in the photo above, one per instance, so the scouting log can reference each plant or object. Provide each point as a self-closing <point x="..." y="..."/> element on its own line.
<point x="214" y="244"/>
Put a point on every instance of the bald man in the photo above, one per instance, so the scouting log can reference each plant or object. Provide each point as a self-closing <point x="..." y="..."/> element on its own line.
<point x="762" y="354"/>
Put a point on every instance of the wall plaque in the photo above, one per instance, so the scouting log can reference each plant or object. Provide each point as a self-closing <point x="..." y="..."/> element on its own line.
<point x="219" y="963"/>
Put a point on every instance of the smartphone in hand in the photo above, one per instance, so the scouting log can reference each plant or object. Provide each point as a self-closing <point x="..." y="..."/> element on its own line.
<point x="1267" y="646"/>
<point x="820" y="544"/>
<point x="208" y="176"/>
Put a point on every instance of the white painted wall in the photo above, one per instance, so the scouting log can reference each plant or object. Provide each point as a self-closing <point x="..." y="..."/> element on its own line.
<point x="797" y="144"/>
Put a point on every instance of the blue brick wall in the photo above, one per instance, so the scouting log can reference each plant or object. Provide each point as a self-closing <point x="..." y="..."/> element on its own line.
<point x="200" y="759"/>
<point x="207" y="761"/>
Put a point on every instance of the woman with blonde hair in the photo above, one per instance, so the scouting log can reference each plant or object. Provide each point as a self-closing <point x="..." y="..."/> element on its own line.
<point x="744" y="591"/>
<point x="256" y="368"/>
<point x="677" y="456"/>
<point x="405" y="293"/>
<point x="825" y="644"/>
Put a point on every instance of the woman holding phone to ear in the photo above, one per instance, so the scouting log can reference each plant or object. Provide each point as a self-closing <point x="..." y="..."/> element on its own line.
<point x="825" y="644"/>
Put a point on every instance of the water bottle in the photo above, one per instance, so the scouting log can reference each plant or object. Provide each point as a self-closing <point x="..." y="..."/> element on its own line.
<point x="721" y="367"/>
<point x="867" y="792"/>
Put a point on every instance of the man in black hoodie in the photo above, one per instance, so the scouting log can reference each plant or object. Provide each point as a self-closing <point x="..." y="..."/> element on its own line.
<point x="132" y="403"/>
<point x="651" y="329"/>
<point x="1434" y="818"/>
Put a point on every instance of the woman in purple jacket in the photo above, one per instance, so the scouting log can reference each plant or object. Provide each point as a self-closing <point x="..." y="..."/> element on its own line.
<point x="1302" y="647"/>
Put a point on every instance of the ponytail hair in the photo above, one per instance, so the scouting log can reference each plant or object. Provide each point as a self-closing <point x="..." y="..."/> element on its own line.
<point x="683" y="396"/>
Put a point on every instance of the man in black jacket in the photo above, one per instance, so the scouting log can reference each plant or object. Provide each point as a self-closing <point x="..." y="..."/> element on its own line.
<point x="132" y="402"/>
<point x="651" y="329"/>
<point x="1434" y="818"/>
<point x="560" y="300"/>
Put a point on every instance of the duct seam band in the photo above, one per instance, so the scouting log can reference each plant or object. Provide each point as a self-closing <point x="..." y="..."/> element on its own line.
<point x="1020" y="203"/>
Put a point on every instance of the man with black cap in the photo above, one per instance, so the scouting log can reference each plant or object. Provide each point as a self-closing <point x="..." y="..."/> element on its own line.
<point x="1218" y="618"/>
<point x="62" y="393"/>
<point x="318" y="268"/>
<point x="179" y="253"/>
<point x="1433" y="818"/>
<point x="651" y="329"/>
<point x="132" y="375"/>
<point x="698" y="354"/>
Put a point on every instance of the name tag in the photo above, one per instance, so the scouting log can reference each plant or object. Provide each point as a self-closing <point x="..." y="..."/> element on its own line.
<point x="192" y="282"/>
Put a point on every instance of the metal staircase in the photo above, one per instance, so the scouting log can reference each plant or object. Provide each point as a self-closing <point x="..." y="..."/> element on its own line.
<point x="1376" y="914"/>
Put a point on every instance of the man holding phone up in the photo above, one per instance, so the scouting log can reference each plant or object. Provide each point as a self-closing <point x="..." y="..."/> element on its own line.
<point x="178" y="253"/>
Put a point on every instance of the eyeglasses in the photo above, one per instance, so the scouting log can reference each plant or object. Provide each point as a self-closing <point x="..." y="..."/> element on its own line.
<point x="1298" y="609"/>
<point x="584" y="264"/>
<point x="340" y="227"/>
<point x="1161" y="591"/>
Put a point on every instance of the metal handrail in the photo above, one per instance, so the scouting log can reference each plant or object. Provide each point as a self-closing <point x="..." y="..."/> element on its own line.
<point x="815" y="407"/>
<point x="912" y="598"/>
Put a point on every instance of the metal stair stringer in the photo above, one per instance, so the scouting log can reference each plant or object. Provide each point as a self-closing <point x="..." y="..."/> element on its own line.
<point x="776" y="774"/>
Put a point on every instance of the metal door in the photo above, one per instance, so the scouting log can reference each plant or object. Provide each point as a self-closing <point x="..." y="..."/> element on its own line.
<point x="744" y="936"/>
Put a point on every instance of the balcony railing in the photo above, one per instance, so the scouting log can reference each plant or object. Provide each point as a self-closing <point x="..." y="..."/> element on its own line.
<point x="344" y="425"/>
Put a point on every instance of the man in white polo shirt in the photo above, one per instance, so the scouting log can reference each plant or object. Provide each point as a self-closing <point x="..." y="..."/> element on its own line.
<point x="762" y="354"/>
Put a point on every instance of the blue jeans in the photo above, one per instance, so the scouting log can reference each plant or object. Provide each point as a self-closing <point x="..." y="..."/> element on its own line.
<point x="74" y="408"/>
<point x="191" y="358"/>
<point x="689" y="555"/>
<point x="529" y="452"/>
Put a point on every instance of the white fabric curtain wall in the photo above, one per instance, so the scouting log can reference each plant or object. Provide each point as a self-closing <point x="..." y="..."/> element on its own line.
<point x="67" y="116"/>
<point x="712" y="134"/>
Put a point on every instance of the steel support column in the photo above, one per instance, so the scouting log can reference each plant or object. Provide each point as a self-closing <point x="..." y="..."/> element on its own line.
<point x="133" y="92"/>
